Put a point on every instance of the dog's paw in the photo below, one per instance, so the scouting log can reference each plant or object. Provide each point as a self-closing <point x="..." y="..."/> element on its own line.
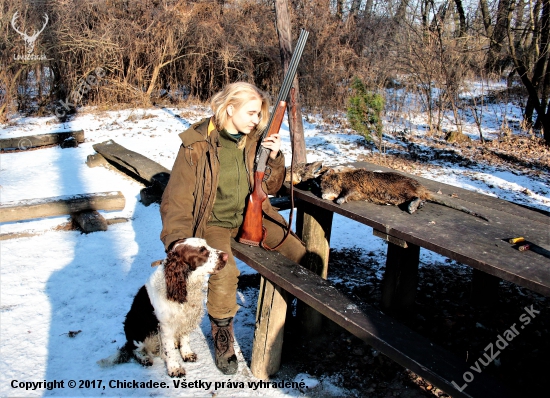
<point x="176" y="372"/>
<point x="190" y="357"/>
<point x="145" y="361"/>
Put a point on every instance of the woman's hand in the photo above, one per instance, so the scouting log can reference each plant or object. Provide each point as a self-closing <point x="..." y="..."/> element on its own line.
<point x="273" y="142"/>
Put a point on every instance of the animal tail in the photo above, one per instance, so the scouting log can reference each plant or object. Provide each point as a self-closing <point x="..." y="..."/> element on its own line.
<point x="443" y="201"/>
<point x="121" y="356"/>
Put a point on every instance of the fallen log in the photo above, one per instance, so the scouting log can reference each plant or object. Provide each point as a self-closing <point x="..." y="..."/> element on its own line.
<point x="60" y="205"/>
<point x="33" y="141"/>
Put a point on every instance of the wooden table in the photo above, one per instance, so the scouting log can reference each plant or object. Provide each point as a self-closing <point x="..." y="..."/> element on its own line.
<point x="470" y="240"/>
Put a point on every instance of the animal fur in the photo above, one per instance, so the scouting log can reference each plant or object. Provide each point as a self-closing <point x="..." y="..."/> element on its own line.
<point x="169" y="307"/>
<point x="381" y="188"/>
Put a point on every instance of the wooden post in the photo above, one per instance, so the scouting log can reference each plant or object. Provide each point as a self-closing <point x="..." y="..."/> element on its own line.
<point x="268" y="333"/>
<point x="314" y="224"/>
<point x="294" y="112"/>
<point x="484" y="289"/>
<point x="400" y="278"/>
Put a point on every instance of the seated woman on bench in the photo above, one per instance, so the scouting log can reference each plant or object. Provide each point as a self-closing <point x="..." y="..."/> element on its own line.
<point x="206" y="195"/>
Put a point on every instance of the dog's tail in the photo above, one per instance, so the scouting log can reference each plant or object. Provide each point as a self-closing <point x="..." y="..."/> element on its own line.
<point x="122" y="355"/>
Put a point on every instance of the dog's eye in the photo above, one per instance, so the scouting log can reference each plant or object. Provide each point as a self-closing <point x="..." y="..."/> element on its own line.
<point x="203" y="250"/>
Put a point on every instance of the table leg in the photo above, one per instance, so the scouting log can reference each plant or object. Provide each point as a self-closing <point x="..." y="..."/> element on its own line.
<point x="314" y="225"/>
<point x="268" y="333"/>
<point x="400" y="278"/>
<point x="484" y="290"/>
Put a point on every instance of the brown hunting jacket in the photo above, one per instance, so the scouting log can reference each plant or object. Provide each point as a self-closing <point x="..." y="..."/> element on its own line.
<point x="189" y="197"/>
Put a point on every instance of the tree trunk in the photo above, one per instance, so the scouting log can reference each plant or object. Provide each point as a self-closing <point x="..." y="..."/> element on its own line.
<point x="368" y="7"/>
<point x="401" y="10"/>
<point x="461" y="18"/>
<point x="354" y="9"/>
<point x="523" y="72"/>
<point x="499" y="34"/>
<point x="486" y="17"/>
<point x="285" y="45"/>
<point x="340" y="9"/>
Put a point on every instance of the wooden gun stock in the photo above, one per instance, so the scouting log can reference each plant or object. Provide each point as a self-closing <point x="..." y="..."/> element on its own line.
<point x="252" y="231"/>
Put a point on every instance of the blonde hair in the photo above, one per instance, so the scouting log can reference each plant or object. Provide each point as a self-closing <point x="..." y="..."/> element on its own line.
<point x="237" y="94"/>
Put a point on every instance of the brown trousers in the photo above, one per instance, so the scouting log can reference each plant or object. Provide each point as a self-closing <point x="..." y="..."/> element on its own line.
<point x="222" y="287"/>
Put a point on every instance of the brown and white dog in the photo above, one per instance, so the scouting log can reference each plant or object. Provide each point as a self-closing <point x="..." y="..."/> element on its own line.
<point x="169" y="307"/>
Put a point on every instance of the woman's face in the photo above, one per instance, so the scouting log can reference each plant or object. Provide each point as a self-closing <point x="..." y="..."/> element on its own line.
<point x="244" y="119"/>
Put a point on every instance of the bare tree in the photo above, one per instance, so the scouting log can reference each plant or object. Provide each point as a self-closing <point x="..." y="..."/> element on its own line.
<point x="536" y="81"/>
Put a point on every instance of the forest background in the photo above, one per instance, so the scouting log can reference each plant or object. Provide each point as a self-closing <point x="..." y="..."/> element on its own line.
<point x="168" y="51"/>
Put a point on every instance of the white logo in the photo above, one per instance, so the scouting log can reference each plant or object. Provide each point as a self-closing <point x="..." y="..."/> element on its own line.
<point x="29" y="40"/>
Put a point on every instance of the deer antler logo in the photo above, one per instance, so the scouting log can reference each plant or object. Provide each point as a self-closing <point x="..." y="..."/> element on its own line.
<point x="29" y="40"/>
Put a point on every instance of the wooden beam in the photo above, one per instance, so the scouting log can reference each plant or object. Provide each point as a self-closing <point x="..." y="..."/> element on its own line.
<point x="33" y="141"/>
<point x="314" y="226"/>
<point x="269" y="331"/>
<point x="389" y="238"/>
<point x="66" y="226"/>
<point x="96" y="160"/>
<point x="400" y="279"/>
<point x="60" y="205"/>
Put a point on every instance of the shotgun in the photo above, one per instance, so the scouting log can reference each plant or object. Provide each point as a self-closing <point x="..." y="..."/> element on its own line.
<point x="252" y="231"/>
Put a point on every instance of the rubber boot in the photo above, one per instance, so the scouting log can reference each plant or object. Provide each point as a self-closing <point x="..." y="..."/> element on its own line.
<point x="222" y="333"/>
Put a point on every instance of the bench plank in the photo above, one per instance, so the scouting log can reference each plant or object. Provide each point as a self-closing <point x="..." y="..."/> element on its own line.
<point x="396" y="341"/>
<point x="136" y="165"/>
<point x="33" y="141"/>
<point x="61" y="205"/>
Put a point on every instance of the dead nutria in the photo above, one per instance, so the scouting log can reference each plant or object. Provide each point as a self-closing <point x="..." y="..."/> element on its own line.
<point x="381" y="188"/>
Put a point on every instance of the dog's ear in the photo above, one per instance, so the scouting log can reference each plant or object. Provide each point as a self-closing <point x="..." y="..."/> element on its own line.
<point x="194" y="256"/>
<point x="176" y="272"/>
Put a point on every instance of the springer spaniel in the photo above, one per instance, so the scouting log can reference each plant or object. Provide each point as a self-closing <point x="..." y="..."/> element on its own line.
<point x="168" y="307"/>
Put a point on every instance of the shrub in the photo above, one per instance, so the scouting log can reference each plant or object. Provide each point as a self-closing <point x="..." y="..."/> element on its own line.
<point x="365" y="111"/>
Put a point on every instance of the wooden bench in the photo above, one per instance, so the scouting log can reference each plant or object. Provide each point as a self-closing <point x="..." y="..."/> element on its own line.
<point x="382" y="332"/>
<point x="63" y="138"/>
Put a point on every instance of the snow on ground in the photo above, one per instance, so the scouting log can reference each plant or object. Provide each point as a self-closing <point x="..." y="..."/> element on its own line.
<point x="64" y="294"/>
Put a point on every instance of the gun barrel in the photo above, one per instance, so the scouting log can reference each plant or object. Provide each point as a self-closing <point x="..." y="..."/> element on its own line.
<point x="291" y="73"/>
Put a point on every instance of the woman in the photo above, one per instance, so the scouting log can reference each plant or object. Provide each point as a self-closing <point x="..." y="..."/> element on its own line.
<point x="206" y="195"/>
